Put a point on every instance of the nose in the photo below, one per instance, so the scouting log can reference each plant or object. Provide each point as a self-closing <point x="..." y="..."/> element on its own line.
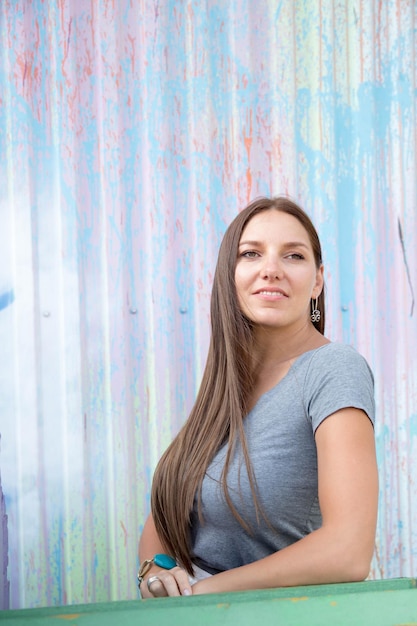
<point x="272" y="268"/>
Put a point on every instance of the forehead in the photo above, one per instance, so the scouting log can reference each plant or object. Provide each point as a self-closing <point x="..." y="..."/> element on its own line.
<point x="273" y="224"/>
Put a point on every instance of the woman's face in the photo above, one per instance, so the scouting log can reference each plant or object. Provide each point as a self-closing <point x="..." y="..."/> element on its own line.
<point x="276" y="274"/>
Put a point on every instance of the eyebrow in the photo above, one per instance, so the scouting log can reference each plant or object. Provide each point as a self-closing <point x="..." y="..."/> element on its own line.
<point x="289" y="244"/>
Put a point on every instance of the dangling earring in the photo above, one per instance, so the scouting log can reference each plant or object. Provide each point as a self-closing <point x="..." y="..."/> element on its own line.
<point x="315" y="313"/>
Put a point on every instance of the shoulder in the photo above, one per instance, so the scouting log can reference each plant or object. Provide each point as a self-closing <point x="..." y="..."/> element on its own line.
<point x="335" y="356"/>
<point x="337" y="376"/>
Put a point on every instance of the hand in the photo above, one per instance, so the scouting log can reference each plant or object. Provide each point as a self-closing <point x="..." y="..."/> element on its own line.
<point x="171" y="582"/>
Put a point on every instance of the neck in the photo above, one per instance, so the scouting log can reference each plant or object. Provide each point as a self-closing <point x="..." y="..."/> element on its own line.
<point x="281" y="345"/>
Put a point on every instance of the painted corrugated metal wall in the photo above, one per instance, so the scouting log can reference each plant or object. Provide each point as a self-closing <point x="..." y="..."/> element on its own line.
<point x="131" y="133"/>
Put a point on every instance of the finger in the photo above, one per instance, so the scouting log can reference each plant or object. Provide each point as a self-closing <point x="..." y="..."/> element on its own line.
<point x="157" y="590"/>
<point x="152" y="588"/>
<point x="169" y="584"/>
<point x="183" y="581"/>
<point x="175" y="581"/>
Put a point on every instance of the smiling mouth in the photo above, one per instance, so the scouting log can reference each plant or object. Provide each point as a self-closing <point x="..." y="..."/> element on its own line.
<point x="265" y="292"/>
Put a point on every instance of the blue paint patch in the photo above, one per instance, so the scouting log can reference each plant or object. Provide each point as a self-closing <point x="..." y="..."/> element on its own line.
<point x="413" y="425"/>
<point x="6" y="299"/>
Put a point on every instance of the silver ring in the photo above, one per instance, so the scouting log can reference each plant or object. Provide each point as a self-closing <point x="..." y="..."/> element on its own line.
<point x="151" y="579"/>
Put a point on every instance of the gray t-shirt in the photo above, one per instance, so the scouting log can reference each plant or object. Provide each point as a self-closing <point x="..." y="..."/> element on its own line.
<point x="280" y="435"/>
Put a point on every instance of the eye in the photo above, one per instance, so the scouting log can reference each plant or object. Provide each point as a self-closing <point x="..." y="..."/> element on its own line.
<point x="249" y="254"/>
<point x="296" y="256"/>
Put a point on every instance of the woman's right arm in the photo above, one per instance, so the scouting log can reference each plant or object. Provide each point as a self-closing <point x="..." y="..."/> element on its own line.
<point x="149" y="543"/>
<point x="173" y="582"/>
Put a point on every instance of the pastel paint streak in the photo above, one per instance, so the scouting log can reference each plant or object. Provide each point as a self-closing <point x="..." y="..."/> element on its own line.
<point x="4" y="551"/>
<point x="134" y="134"/>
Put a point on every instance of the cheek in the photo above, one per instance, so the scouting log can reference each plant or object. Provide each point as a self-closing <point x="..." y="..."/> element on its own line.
<point x="240" y="287"/>
<point x="238" y="279"/>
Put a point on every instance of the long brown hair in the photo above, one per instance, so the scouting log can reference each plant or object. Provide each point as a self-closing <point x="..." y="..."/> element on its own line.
<point x="221" y="404"/>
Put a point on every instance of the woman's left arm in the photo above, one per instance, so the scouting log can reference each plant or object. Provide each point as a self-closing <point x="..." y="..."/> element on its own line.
<point x="341" y="549"/>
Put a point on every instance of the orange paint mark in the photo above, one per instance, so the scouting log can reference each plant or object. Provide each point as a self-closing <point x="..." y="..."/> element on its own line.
<point x="21" y="64"/>
<point x="133" y="55"/>
<point x="38" y="37"/>
<point x="249" y="182"/>
<point x="66" y="48"/>
<point x="300" y="599"/>
<point x="248" y="138"/>
<point x="191" y="21"/>
<point x="248" y="145"/>
<point x="92" y="24"/>
<point x="124" y="532"/>
<point x="69" y="616"/>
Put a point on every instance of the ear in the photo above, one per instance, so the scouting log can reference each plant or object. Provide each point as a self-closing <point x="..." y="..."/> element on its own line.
<point x="318" y="286"/>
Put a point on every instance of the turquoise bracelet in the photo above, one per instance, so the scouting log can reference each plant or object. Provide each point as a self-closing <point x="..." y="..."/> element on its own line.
<point x="161" y="560"/>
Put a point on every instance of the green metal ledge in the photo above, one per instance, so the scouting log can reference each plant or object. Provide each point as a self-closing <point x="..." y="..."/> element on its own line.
<point x="373" y="603"/>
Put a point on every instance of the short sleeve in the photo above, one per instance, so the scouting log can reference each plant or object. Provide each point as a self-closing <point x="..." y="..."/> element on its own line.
<point x="338" y="377"/>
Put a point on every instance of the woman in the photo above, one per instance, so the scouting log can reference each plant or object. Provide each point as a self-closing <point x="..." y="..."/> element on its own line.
<point x="272" y="481"/>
